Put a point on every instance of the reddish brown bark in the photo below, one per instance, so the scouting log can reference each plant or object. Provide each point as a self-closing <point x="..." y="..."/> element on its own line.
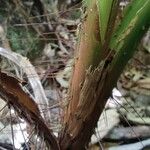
<point x="78" y="122"/>
<point x="89" y="46"/>
<point x="89" y="89"/>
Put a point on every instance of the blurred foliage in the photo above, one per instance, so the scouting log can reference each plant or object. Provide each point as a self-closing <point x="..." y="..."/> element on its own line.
<point x="24" y="42"/>
<point x="18" y="19"/>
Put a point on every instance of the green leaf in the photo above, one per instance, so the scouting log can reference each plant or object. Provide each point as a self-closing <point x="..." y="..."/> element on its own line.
<point x="106" y="9"/>
<point x="132" y="19"/>
<point x="128" y="34"/>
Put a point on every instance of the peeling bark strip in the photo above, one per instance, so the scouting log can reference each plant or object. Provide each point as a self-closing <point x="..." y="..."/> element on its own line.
<point x="12" y="93"/>
<point x="92" y="100"/>
<point x="88" y="54"/>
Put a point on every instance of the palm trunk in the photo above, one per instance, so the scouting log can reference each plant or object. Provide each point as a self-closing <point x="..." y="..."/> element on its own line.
<point x="99" y="63"/>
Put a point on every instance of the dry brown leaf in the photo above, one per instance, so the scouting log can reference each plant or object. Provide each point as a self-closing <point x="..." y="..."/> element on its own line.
<point x="12" y="92"/>
<point x="12" y="85"/>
